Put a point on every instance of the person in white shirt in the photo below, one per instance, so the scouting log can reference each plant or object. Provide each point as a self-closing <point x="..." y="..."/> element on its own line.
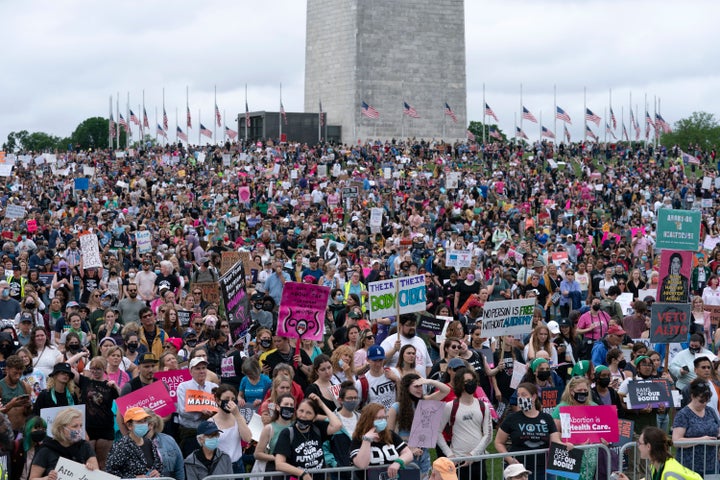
<point x="393" y="344"/>
<point x="189" y="421"/>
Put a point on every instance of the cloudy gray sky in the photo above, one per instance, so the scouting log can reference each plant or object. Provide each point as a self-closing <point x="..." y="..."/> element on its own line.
<point x="63" y="59"/>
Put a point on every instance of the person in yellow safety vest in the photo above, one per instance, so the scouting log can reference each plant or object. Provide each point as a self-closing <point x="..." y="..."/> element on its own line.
<point x="17" y="283"/>
<point x="654" y="445"/>
<point x="358" y="288"/>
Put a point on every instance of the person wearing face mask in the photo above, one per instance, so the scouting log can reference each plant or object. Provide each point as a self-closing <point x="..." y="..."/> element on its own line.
<point x="34" y="432"/>
<point x="208" y="459"/>
<point x="681" y="366"/>
<point x="375" y="445"/>
<point x="577" y="393"/>
<point x="592" y="326"/>
<point x="470" y="436"/>
<point x="9" y="307"/>
<point x="282" y="417"/>
<point x="541" y="375"/>
<point x="527" y="429"/>
<point x="232" y="425"/>
<point x="603" y="393"/>
<point x="407" y="335"/>
<point x="68" y="441"/>
<point x="133" y="455"/>
<point x="339" y="455"/>
<point x="259" y="316"/>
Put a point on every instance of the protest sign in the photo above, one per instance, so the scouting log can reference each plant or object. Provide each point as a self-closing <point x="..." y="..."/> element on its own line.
<point x="431" y="324"/>
<point x="31" y="225"/>
<point x="558" y="258"/>
<point x="88" y="170"/>
<point x="6" y="170"/>
<point x="256" y="426"/>
<point x="589" y="423"/>
<point x="49" y="414"/>
<point x="376" y="215"/>
<point x="518" y="372"/>
<point x="713" y="311"/>
<point x="674" y="280"/>
<point x="82" y="183"/>
<point x="669" y="322"/>
<point x="507" y="317"/>
<point x="244" y="194"/>
<point x="66" y="469"/>
<point x="349" y="192"/>
<point x="302" y="311"/>
<point x="47" y="279"/>
<point x="90" y="251"/>
<point x="173" y="378"/>
<point x="237" y="303"/>
<point x="426" y="423"/>
<point x="678" y="229"/>
<point x="228" y="259"/>
<point x="563" y="462"/>
<point x="211" y="291"/>
<point x="322" y="171"/>
<point x="549" y="398"/>
<point x="383" y="298"/>
<point x="153" y="396"/>
<point x="144" y="241"/>
<point x="649" y="393"/>
<point x="625" y="431"/>
<point x="15" y="211"/>
<point x="411" y="296"/>
<point x="458" y="258"/>
<point x="452" y="180"/>
<point x="197" y="401"/>
<point x="625" y="300"/>
<point x="248" y="263"/>
<point x="184" y="317"/>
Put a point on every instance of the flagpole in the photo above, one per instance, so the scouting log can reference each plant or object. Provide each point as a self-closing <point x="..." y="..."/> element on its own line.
<point x="176" y="124"/>
<point x="142" y="121"/>
<point x="246" y="112"/>
<point x="280" y="115"/>
<point x="117" y="107"/>
<point x="540" y="126"/>
<point x="110" y="140"/>
<point x="319" y="119"/>
<point x="444" y="120"/>
<point x="215" y="119"/>
<point x="187" y="110"/>
<point x="484" y="107"/>
<point x="647" y="127"/>
<point x="164" y="114"/>
<point x="555" y="109"/>
<point x="584" y="114"/>
<point x="521" y="108"/>
<point x="515" y="123"/>
<point x="199" y="129"/>
<point x="128" y="132"/>
<point x="606" y="124"/>
<point x="156" y="125"/>
<point x="622" y="118"/>
<point x="224" y="132"/>
<point x="630" y="110"/>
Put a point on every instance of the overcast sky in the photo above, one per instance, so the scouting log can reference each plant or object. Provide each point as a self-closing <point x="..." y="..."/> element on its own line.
<point x="63" y="59"/>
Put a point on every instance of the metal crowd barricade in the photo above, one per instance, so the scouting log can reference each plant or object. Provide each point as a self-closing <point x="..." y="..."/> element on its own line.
<point x="635" y="468"/>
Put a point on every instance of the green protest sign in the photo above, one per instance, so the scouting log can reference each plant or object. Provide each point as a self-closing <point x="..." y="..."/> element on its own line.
<point x="678" y="229"/>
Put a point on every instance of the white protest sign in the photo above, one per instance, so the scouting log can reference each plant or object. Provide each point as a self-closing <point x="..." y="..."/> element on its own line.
<point x="412" y="294"/>
<point x="88" y="170"/>
<point x="452" y="180"/>
<point x="376" y="215"/>
<point x="50" y="157"/>
<point x="458" y="258"/>
<point x="122" y="184"/>
<point x="625" y="300"/>
<point x="6" y="169"/>
<point x="201" y="158"/>
<point x="144" y="241"/>
<point x="90" y="251"/>
<point x="322" y="171"/>
<point x="507" y="317"/>
<point x="256" y="425"/>
<point x="383" y="298"/>
<point x="227" y="159"/>
<point x="49" y="414"/>
<point x="336" y="170"/>
<point x="69" y="470"/>
<point x="387" y="173"/>
<point x="15" y="211"/>
<point x="519" y="371"/>
<point x="706" y="183"/>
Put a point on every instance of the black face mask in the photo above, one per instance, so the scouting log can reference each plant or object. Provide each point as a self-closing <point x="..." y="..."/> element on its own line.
<point x="622" y="364"/>
<point x="132" y="347"/>
<point x="580" y="397"/>
<point x="603" y="382"/>
<point x="265" y="343"/>
<point x="544" y="375"/>
<point x="302" y="424"/>
<point x="258" y="306"/>
<point x="74" y="348"/>
<point x="6" y="350"/>
<point x="596" y="307"/>
<point x="694" y="350"/>
<point x="38" y="436"/>
<point x="224" y="406"/>
<point x="286" y="413"/>
<point x="470" y="387"/>
<point x="191" y="343"/>
<point x="268" y="307"/>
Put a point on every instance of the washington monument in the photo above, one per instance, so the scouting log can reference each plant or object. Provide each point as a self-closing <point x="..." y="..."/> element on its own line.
<point x="387" y="53"/>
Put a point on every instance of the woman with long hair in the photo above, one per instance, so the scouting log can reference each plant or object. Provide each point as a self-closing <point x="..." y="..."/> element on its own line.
<point x="99" y="394"/>
<point x="281" y="384"/>
<point x="342" y="362"/>
<point x="504" y="359"/>
<point x="577" y="393"/>
<point x="635" y="283"/>
<point x="451" y="349"/>
<point x="171" y="323"/>
<point x="114" y="370"/>
<point x="281" y="417"/>
<point x="34" y="378"/>
<point x="400" y="414"/>
<point x="253" y="386"/>
<point x="323" y="381"/>
<point x="374" y="444"/>
<point x="654" y="446"/>
<point x="61" y="389"/>
<point x="34" y="433"/>
<point x="310" y="347"/>
<point x="540" y="339"/>
<point x="365" y="341"/>
<point x="232" y="425"/>
<point x="44" y="354"/>
<point x="406" y="361"/>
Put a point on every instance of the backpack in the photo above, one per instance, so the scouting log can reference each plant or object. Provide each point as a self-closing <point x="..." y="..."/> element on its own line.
<point x="364" y="389"/>
<point x="447" y="431"/>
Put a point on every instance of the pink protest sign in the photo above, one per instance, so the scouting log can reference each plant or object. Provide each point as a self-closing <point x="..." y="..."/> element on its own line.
<point x="154" y="396"/>
<point x="32" y="225"/>
<point x="173" y="378"/>
<point x="302" y="311"/>
<point x="244" y="194"/>
<point x="592" y="424"/>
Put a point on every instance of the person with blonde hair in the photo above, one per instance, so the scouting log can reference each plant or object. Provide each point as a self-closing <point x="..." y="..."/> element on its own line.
<point x="374" y="444"/>
<point x="343" y="364"/>
<point x="68" y="441"/>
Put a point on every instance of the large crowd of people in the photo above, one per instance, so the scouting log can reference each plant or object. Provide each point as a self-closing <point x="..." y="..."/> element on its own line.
<point x="571" y="226"/>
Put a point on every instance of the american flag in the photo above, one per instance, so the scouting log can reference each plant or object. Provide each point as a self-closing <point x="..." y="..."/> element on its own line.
<point x="609" y="130"/>
<point x="146" y="124"/>
<point x="410" y="111"/>
<point x="218" y="117"/>
<point x="590" y="133"/>
<point x="230" y="133"/>
<point x="520" y="133"/>
<point x="687" y="158"/>
<point x="134" y="119"/>
<point x="660" y="122"/>
<point x="590" y="116"/>
<point x="489" y="112"/>
<point x="165" y="119"/>
<point x="112" y="126"/>
<point x="625" y="133"/>
<point x="612" y="118"/>
<point x="322" y="115"/>
<point x="182" y="135"/>
<point x="648" y="124"/>
<point x="495" y="133"/>
<point x="567" y="133"/>
<point x="205" y="131"/>
<point x="561" y="114"/>
<point x="547" y="133"/>
<point x="247" y="116"/>
<point x="369" y="111"/>
<point x="635" y="125"/>
<point x="528" y="116"/>
<point x="282" y="113"/>
<point x="161" y="131"/>
<point x="123" y="123"/>
<point x="470" y="136"/>
<point x="449" y="112"/>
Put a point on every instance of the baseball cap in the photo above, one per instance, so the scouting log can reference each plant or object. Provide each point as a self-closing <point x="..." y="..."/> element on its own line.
<point x="615" y="330"/>
<point x="197" y="361"/>
<point x="564" y="322"/>
<point x="553" y="327"/>
<point x="135" y="414"/>
<point x="376" y="352"/>
<point x="445" y="467"/>
<point x="189" y="332"/>
<point x="207" y="428"/>
<point x="514" y="470"/>
<point x="580" y="368"/>
<point x="26" y="317"/>
<point x="455" y="363"/>
<point x="147" y="358"/>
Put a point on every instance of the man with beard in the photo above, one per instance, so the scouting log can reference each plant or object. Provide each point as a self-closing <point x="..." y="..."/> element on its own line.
<point x="131" y="305"/>
<point x="392" y="345"/>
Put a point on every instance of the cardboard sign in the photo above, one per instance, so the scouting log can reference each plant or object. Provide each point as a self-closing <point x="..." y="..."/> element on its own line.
<point x="154" y="396"/>
<point x="302" y="311"/>
<point x="670" y="322"/>
<point x="452" y="180"/>
<point x="563" y="462"/>
<point x="211" y="291"/>
<point x="714" y="312"/>
<point x="649" y="393"/>
<point x="248" y="263"/>
<point x="383" y="298"/>
<point x="49" y="414"/>
<point x="144" y="241"/>
<point x="550" y="397"/>
<point x="173" y="378"/>
<point x="350" y="192"/>
<point x="678" y="229"/>
<point x="507" y="317"/>
<point x="228" y="259"/>
<point x="519" y="371"/>
<point x="69" y="470"/>
<point x="625" y="431"/>
<point x="581" y="424"/>
<point x="458" y="258"/>
<point x="426" y="423"/>
<point x="376" y="215"/>
<point x="197" y="401"/>
<point x="674" y="279"/>
<point x="90" y="251"/>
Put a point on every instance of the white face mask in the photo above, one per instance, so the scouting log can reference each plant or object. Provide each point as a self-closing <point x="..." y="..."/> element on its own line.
<point x="525" y="404"/>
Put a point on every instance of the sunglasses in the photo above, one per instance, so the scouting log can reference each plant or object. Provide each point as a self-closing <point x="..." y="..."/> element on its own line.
<point x="197" y="325"/>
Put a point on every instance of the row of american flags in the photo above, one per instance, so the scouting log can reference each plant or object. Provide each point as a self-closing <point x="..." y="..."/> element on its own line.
<point x="369" y="111"/>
